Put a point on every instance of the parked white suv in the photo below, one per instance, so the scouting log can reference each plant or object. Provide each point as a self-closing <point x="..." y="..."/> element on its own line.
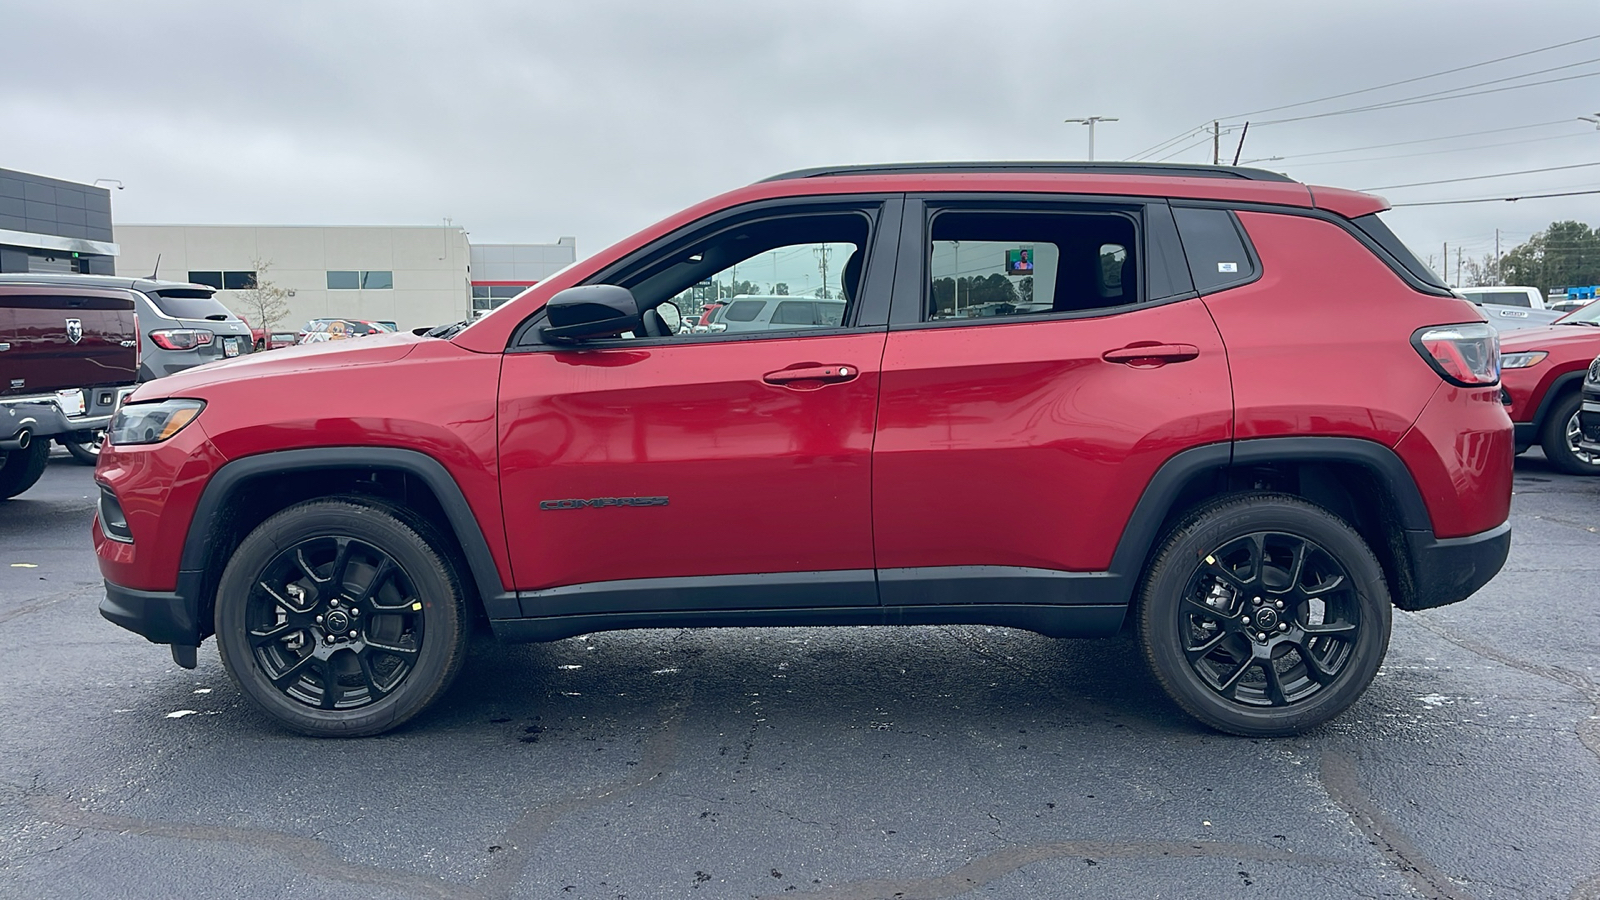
<point x="763" y="313"/>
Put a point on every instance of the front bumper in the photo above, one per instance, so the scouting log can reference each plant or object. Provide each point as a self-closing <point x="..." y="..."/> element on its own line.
<point x="1589" y="421"/>
<point x="1449" y="570"/>
<point x="162" y="617"/>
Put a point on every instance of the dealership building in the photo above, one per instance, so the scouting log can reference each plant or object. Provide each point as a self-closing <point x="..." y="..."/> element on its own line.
<point x="49" y="225"/>
<point x="412" y="275"/>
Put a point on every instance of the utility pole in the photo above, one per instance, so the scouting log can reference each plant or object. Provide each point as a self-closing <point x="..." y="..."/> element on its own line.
<point x="823" y="253"/>
<point x="1446" y="258"/>
<point x="1090" y="121"/>
<point x="1458" y="262"/>
<point x="1497" y="278"/>
<point x="1216" y="143"/>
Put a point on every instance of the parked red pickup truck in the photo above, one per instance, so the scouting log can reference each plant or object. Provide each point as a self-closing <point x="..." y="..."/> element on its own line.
<point x="67" y="357"/>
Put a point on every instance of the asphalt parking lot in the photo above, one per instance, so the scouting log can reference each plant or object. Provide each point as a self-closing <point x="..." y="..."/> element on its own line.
<point x="816" y="763"/>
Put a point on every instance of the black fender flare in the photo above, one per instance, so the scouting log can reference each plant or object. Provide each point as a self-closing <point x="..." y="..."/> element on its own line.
<point x="209" y="512"/>
<point x="1556" y="388"/>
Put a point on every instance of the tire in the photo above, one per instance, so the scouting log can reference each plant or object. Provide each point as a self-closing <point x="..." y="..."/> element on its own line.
<point x="86" y="452"/>
<point x="1559" y="438"/>
<point x="22" y="469"/>
<point x="1325" y="642"/>
<point x="399" y="605"/>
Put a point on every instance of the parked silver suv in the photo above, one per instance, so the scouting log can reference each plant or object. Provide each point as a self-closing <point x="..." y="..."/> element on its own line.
<point x="180" y="325"/>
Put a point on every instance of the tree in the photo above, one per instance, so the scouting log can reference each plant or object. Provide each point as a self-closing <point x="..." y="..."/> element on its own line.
<point x="781" y="289"/>
<point x="1566" y="254"/>
<point x="265" y="304"/>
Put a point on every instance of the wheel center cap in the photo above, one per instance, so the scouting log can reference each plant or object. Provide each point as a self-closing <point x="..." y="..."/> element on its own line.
<point x="337" y="621"/>
<point x="1266" y="618"/>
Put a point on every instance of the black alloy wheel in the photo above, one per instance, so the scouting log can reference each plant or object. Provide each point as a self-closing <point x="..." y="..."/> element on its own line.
<point x="1265" y="615"/>
<point x="338" y="617"/>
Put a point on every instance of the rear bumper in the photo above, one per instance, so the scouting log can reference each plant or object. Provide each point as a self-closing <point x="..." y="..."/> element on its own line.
<point x="43" y="415"/>
<point x="1449" y="570"/>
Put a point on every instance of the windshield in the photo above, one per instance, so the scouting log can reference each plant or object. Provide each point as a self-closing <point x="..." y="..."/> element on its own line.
<point x="187" y="303"/>
<point x="1588" y="315"/>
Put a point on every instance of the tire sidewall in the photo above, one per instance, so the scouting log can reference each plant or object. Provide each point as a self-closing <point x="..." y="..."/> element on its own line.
<point x="1554" y="439"/>
<point x="431" y="575"/>
<point x="1211" y="528"/>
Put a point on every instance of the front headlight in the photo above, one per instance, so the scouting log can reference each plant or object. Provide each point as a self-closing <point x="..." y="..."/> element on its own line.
<point x="1522" y="360"/>
<point x="152" y="423"/>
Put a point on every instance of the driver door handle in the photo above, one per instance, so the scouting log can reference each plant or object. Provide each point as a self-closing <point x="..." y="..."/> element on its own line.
<point x="1151" y="354"/>
<point x="831" y="374"/>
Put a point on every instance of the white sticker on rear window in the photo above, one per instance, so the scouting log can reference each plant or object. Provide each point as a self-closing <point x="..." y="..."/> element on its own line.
<point x="1227" y="267"/>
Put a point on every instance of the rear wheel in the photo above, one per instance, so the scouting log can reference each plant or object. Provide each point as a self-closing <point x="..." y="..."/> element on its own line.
<point x="1559" y="438"/>
<point x="339" y="618"/>
<point x="22" y="469"/>
<point x="1264" y="615"/>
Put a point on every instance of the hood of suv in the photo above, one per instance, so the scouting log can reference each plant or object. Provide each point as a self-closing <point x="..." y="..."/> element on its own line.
<point x="368" y="351"/>
<point x="1551" y="337"/>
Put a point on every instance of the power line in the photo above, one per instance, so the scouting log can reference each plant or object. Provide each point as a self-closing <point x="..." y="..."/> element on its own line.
<point x="1448" y="137"/>
<point x="1390" y="187"/>
<point x="1418" y="78"/>
<point x="1498" y="199"/>
<point x="1431" y="98"/>
<point x="1334" y="162"/>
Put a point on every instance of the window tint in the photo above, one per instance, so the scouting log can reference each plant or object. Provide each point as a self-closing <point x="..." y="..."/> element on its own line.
<point x="214" y="279"/>
<point x="344" y="281"/>
<point x="785" y="273"/>
<point x="1375" y="228"/>
<point x="744" y="310"/>
<point x="377" y="280"/>
<point x="986" y="264"/>
<point x="1215" y="246"/>
<point x="238" y="281"/>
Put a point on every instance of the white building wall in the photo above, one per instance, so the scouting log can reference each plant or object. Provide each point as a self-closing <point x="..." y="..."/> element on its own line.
<point x="431" y="266"/>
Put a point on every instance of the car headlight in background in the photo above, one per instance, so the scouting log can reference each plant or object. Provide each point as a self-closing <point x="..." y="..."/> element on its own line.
<point x="1594" y="371"/>
<point x="1522" y="360"/>
<point x="152" y="423"/>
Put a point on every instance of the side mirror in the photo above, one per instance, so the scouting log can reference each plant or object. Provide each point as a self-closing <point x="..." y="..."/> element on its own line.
<point x="595" y="310"/>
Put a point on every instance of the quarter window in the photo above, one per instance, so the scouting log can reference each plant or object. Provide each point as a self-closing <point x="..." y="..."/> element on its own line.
<point x="1214" y="244"/>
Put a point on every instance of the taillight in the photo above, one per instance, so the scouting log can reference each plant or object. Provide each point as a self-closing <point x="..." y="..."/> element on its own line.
<point x="181" y="338"/>
<point x="1466" y="355"/>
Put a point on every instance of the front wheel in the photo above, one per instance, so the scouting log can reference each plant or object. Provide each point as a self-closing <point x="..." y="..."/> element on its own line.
<point x="22" y="469"/>
<point x="340" y="618"/>
<point x="1560" y="436"/>
<point x="1264" y="615"/>
<point x="84" y="445"/>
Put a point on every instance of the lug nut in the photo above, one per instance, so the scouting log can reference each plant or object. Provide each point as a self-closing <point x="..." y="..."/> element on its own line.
<point x="1283" y="626"/>
<point x="352" y="634"/>
<point x="334" y="602"/>
<point x="1279" y="604"/>
<point x="1262" y="636"/>
<point x="319" y="620"/>
<point x="355" y="611"/>
<point x="329" y="639"/>
<point x="1256" y="601"/>
<point x="1246" y="620"/>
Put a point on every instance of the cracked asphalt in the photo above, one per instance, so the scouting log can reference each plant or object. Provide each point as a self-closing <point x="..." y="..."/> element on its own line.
<point x="833" y="763"/>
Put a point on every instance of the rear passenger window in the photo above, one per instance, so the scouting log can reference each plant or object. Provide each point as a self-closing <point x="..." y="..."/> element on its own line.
<point x="1214" y="242"/>
<point x="744" y="310"/>
<point x="988" y="264"/>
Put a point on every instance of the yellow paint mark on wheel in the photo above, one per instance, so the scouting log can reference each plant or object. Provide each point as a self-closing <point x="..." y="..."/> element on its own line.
<point x="416" y="607"/>
<point x="1211" y="560"/>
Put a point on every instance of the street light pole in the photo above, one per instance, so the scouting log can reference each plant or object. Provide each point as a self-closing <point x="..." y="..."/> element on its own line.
<point x="1090" y="121"/>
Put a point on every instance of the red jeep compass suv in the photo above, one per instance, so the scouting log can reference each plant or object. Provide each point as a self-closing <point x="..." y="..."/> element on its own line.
<point x="1217" y="407"/>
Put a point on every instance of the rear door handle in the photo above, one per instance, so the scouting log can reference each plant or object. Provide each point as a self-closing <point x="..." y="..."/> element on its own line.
<point x="830" y="374"/>
<point x="1151" y="354"/>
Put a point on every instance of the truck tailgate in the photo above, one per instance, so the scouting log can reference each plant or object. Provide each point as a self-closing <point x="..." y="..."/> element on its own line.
<point x="55" y="338"/>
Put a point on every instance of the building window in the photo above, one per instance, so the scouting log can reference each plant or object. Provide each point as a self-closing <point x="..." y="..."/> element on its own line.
<point x="491" y="296"/>
<point x="351" y="281"/>
<point x="230" y="281"/>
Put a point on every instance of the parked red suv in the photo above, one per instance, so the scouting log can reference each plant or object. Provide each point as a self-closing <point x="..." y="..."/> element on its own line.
<point x="1226" y="410"/>
<point x="1543" y="371"/>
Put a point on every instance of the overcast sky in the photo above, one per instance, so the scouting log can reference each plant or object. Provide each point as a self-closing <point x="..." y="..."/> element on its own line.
<point x="524" y="121"/>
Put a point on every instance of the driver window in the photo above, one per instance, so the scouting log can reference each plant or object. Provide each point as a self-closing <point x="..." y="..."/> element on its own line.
<point x="786" y="274"/>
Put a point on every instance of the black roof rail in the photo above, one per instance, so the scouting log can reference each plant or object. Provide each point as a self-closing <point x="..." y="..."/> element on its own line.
<point x="1180" y="170"/>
